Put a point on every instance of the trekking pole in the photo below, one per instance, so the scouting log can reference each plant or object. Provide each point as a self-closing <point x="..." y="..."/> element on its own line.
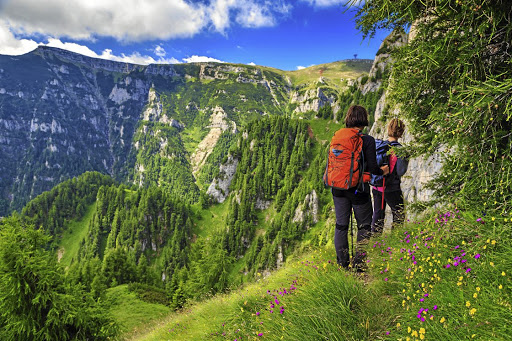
<point x="383" y="190"/>
<point x="351" y="236"/>
<point x="382" y="212"/>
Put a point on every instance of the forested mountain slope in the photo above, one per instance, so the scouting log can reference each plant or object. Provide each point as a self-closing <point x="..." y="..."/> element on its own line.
<point x="62" y="114"/>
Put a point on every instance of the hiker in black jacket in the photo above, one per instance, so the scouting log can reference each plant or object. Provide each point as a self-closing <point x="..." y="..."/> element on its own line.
<point x="351" y="198"/>
<point x="393" y="195"/>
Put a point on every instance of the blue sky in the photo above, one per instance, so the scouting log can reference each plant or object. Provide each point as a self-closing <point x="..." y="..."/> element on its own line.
<point x="281" y="33"/>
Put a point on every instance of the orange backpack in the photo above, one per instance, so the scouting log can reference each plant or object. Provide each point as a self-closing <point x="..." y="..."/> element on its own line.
<point x="345" y="160"/>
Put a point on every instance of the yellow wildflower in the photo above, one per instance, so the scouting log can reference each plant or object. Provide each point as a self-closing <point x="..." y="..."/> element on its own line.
<point x="478" y="289"/>
<point x="422" y="330"/>
<point x="500" y="287"/>
<point x="472" y="311"/>
<point x="408" y="329"/>
<point x="442" y="320"/>
<point x="475" y="295"/>
<point x="503" y="273"/>
<point x="414" y="333"/>
<point x="468" y="304"/>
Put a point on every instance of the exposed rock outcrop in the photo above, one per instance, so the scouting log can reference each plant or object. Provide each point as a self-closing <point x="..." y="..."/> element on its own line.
<point x="308" y="208"/>
<point x="218" y="124"/>
<point x="219" y="188"/>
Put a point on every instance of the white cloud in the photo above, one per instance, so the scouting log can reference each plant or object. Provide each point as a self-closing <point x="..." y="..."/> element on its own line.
<point x="135" y="20"/>
<point x="201" y="59"/>
<point x="251" y="63"/>
<point x="12" y="46"/>
<point x="125" y="20"/>
<point x="9" y="45"/>
<point x="159" y="51"/>
<point x="300" y="67"/>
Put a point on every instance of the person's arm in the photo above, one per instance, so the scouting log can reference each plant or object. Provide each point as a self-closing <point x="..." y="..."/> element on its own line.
<point x="370" y="156"/>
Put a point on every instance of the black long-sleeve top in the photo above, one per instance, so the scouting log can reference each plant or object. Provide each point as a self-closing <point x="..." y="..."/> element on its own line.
<point x="370" y="156"/>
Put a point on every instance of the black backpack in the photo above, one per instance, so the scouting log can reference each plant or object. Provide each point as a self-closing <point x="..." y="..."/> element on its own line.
<point x="381" y="148"/>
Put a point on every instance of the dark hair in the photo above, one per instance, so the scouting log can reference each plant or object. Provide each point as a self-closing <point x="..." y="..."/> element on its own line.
<point x="357" y="116"/>
<point x="396" y="128"/>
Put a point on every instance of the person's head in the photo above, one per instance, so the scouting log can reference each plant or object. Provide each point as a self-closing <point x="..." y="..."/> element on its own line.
<point x="357" y="116"/>
<point x="396" y="128"/>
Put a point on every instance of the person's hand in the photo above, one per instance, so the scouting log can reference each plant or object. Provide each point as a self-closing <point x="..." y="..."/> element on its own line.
<point x="385" y="169"/>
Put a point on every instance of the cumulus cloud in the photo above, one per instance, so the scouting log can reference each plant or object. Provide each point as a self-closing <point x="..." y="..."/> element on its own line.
<point x="12" y="46"/>
<point x="251" y="63"/>
<point x="300" y="67"/>
<point x="201" y="59"/>
<point x="135" y="20"/>
<point x="125" y="20"/>
<point x="9" y="45"/>
<point x="159" y="51"/>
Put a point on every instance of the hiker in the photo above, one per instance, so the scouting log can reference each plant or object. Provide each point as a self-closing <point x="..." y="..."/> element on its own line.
<point x="349" y="195"/>
<point x="387" y="190"/>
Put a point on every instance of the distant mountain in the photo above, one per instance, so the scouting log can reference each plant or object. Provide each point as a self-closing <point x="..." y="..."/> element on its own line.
<point x="62" y="114"/>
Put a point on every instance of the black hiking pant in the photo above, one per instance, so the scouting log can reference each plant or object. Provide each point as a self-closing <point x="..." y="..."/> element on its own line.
<point x="395" y="200"/>
<point x="361" y="204"/>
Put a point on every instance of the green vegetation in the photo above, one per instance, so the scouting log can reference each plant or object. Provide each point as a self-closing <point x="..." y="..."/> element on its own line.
<point x="436" y="264"/>
<point x="36" y="299"/>
<point x="335" y="73"/>
<point x="453" y="82"/>
<point x="73" y="236"/>
<point x="130" y="312"/>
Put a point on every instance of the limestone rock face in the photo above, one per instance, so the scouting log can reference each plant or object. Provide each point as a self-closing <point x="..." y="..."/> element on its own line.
<point x="420" y="170"/>
<point x="218" y="124"/>
<point x="310" y="100"/>
<point x="219" y="188"/>
<point x="309" y="207"/>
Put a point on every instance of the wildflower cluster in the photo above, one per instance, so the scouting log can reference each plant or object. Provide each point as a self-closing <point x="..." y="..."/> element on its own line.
<point x="436" y="275"/>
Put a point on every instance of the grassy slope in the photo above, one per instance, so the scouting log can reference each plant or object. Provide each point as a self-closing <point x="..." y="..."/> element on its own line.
<point x="74" y="234"/>
<point x="408" y="273"/>
<point x="130" y="312"/>
<point x="334" y="72"/>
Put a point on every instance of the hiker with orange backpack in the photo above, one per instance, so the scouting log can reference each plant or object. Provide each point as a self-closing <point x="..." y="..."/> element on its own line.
<point x="386" y="190"/>
<point x="351" y="154"/>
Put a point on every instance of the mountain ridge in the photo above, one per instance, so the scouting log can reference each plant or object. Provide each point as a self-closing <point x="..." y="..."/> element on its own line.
<point x="62" y="113"/>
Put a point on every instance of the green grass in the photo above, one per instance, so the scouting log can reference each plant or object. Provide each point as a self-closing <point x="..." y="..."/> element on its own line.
<point x="75" y="233"/>
<point x="324" y="130"/>
<point x="312" y="283"/>
<point x="210" y="218"/>
<point x="192" y="136"/>
<point x="407" y="272"/>
<point x="332" y="72"/>
<point x="454" y="266"/>
<point x="131" y="313"/>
